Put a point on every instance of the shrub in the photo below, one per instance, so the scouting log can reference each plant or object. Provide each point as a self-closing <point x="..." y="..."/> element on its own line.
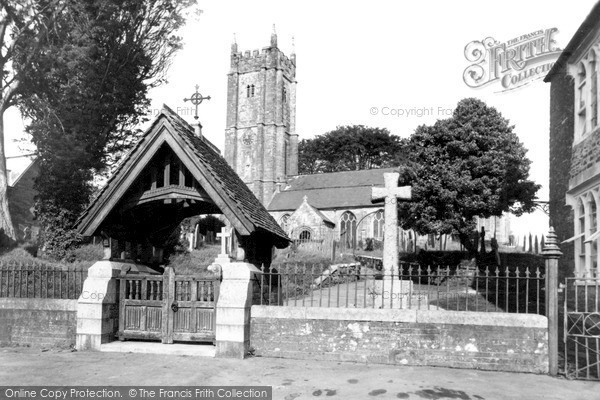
<point x="87" y="252"/>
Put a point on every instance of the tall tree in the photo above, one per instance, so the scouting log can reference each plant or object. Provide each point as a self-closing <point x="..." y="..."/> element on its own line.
<point x="349" y="148"/>
<point x="470" y="165"/>
<point x="25" y="21"/>
<point x="85" y="90"/>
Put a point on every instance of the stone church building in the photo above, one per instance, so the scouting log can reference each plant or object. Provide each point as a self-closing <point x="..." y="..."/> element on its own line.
<point x="261" y="144"/>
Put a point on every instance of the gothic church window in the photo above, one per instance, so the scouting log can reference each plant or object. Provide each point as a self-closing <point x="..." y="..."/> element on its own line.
<point x="378" y="224"/>
<point x="348" y="230"/>
<point x="284" y="222"/>
<point x="305" y="235"/>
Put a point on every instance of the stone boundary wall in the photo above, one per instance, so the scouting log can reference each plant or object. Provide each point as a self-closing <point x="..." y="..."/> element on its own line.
<point x="38" y="322"/>
<point x="476" y="340"/>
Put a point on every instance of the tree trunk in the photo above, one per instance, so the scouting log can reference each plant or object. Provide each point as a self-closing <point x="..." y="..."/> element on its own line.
<point x="6" y="225"/>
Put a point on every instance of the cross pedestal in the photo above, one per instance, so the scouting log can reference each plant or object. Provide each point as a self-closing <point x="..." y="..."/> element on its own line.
<point x="392" y="292"/>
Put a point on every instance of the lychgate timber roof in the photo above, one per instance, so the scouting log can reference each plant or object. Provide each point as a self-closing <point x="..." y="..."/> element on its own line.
<point x="334" y="190"/>
<point x="217" y="181"/>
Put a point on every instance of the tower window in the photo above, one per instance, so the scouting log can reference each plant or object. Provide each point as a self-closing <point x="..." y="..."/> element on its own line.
<point x="284" y="95"/>
<point x="250" y="91"/>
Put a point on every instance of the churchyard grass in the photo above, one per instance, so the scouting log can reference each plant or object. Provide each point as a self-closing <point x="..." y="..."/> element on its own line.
<point x="195" y="261"/>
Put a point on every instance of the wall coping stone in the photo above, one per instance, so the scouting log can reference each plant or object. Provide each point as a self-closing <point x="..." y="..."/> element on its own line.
<point x="38" y="304"/>
<point x="398" y="315"/>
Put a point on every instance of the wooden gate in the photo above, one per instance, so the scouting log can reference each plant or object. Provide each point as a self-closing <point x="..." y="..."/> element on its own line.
<point x="167" y="307"/>
<point x="582" y="328"/>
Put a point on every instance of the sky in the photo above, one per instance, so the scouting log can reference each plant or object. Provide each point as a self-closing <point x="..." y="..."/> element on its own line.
<point x="356" y="57"/>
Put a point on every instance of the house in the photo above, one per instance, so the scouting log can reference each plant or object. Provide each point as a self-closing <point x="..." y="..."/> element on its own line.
<point x="575" y="149"/>
<point x="22" y="172"/>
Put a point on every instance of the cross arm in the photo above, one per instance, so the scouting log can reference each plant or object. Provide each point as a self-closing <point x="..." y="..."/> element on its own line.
<point x="380" y="193"/>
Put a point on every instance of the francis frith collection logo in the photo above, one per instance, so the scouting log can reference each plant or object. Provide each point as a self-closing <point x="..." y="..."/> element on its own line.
<point x="512" y="64"/>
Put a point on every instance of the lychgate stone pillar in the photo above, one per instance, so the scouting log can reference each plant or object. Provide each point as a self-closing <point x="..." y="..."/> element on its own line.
<point x="97" y="308"/>
<point x="233" y="309"/>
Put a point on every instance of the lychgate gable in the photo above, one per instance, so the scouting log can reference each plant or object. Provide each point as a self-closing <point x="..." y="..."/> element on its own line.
<point x="172" y="174"/>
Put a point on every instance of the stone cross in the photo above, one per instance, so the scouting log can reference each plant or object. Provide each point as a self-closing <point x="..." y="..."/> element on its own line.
<point x="390" y="195"/>
<point x="225" y="236"/>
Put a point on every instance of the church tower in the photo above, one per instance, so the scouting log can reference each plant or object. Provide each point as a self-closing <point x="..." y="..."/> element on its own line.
<point x="261" y="143"/>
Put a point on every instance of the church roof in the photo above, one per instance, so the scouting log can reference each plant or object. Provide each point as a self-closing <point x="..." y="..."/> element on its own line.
<point x="217" y="178"/>
<point x="334" y="190"/>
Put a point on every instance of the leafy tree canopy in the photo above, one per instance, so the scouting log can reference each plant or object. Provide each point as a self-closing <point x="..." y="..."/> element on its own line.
<point x="470" y="165"/>
<point x="85" y="88"/>
<point x="349" y="148"/>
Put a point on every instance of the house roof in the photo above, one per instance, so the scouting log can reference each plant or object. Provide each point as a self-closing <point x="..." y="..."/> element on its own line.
<point x="334" y="190"/>
<point x="246" y="214"/>
<point x="18" y="166"/>
<point x="582" y="34"/>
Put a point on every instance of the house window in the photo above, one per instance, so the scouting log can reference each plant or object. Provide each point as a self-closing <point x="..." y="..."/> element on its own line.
<point x="580" y="248"/>
<point x="594" y="243"/>
<point x="378" y="225"/>
<point x="348" y="230"/>
<point x="593" y="91"/>
<point x="581" y="99"/>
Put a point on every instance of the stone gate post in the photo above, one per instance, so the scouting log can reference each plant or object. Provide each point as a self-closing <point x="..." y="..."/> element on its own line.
<point x="233" y="309"/>
<point x="552" y="253"/>
<point x="97" y="308"/>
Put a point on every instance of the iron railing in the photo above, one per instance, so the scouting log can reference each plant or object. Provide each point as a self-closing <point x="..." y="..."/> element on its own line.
<point x="507" y="289"/>
<point x="41" y="281"/>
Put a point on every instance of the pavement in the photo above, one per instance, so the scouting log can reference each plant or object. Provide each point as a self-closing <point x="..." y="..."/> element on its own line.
<point x="290" y="379"/>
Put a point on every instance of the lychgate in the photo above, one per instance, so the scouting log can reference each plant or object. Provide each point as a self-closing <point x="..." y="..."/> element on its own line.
<point x="172" y="173"/>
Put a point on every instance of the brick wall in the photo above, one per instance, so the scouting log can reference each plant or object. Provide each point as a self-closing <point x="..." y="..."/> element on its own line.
<point x="489" y="341"/>
<point x="561" y="142"/>
<point x="38" y="322"/>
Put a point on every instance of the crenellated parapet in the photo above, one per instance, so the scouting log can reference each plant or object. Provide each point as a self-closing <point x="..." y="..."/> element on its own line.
<point x="267" y="58"/>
